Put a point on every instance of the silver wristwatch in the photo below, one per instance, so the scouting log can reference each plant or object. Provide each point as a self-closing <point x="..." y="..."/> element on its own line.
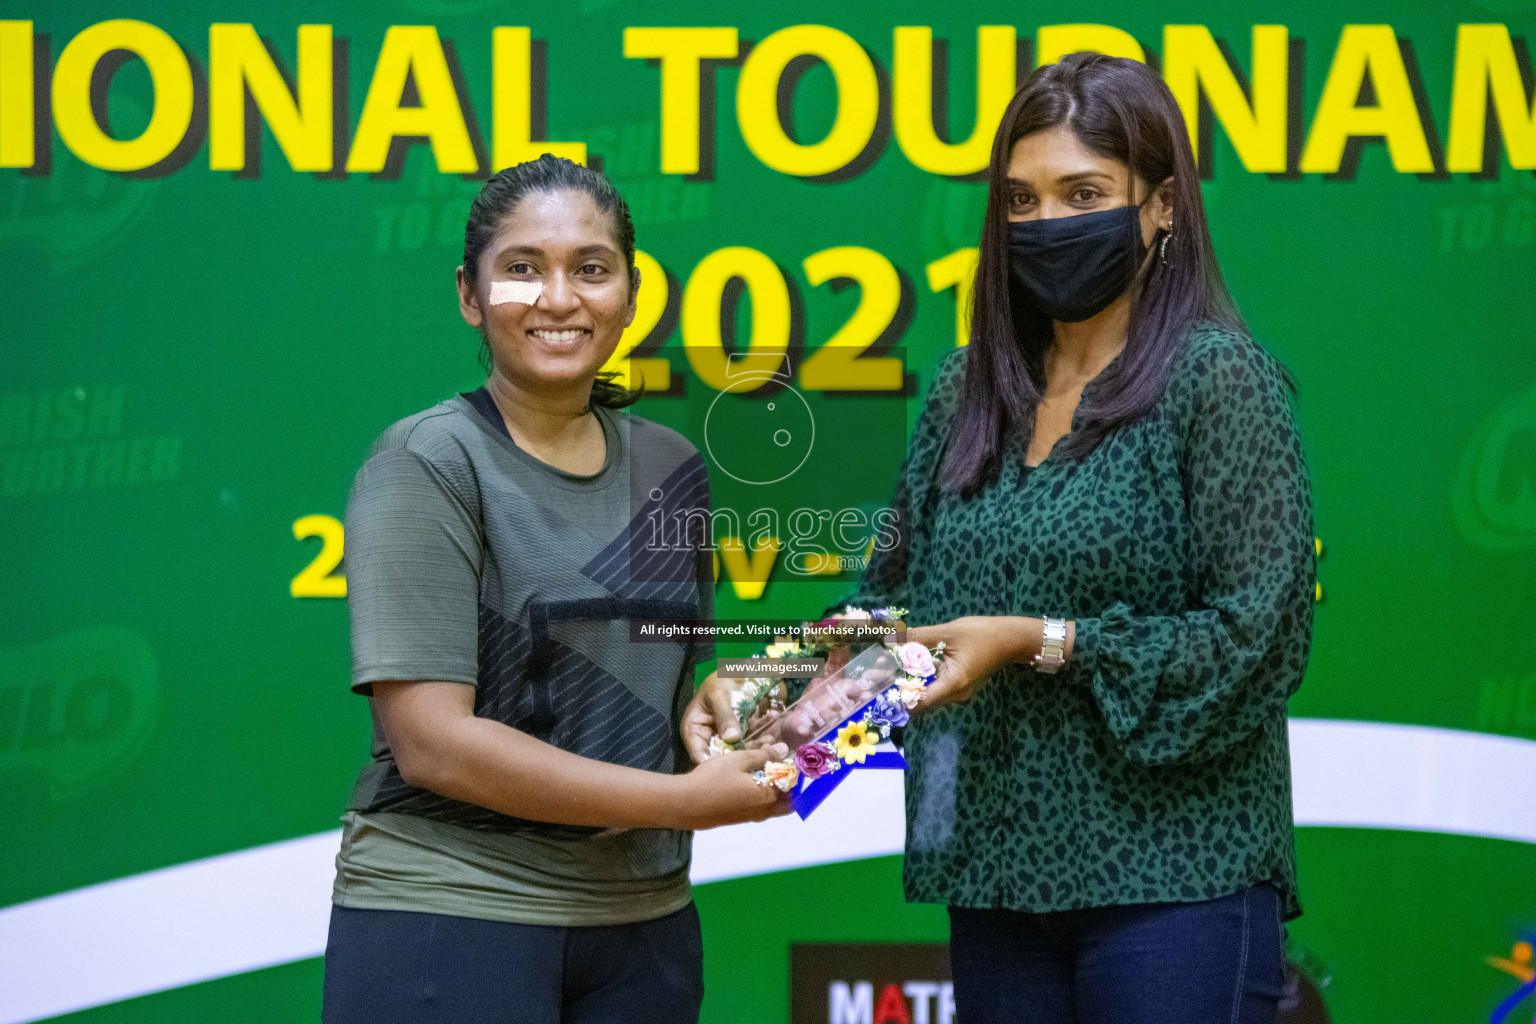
<point x="1053" y="643"/>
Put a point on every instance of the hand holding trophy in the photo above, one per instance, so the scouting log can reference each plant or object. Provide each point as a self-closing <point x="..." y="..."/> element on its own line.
<point x="840" y="718"/>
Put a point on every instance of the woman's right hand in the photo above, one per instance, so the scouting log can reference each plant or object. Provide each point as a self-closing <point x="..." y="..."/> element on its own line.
<point x="721" y="791"/>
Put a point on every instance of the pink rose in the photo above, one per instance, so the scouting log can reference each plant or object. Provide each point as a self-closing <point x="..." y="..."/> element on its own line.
<point x="815" y="760"/>
<point x="916" y="660"/>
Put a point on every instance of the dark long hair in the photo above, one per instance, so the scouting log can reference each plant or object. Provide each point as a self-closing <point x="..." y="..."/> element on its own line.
<point x="499" y="197"/>
<point x="1119" y="109"/>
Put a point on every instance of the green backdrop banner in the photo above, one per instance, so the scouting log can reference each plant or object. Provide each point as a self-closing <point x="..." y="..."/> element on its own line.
<point x="228" y="234"/>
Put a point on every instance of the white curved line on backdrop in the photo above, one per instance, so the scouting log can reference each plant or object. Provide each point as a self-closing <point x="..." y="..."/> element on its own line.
<point x="270" y="904"/>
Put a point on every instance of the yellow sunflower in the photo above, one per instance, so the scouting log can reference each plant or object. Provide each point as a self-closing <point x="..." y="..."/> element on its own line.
<point x="855" y="742"/>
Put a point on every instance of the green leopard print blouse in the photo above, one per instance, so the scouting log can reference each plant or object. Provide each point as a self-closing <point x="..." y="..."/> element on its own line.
<point x="1154" y="766"/>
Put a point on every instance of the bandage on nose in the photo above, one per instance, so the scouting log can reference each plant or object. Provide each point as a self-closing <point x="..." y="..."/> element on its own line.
<point x="526" y="292"/>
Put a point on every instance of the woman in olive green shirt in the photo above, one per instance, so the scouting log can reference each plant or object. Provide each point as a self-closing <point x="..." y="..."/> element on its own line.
<point x="1108" y="523"/>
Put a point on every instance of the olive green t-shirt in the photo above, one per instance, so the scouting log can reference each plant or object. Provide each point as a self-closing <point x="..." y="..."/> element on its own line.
<point x="470" y="561"/>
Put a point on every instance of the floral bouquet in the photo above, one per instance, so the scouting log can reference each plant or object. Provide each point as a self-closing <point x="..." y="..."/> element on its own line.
<point x="838" y="720"/>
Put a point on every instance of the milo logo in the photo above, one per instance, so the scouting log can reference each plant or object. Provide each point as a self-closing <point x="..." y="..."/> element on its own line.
<point x="1495" y="499"/>
<point x="76" y="707"/>
<point x="77" y="212"/>
<point x="949" y="215"/>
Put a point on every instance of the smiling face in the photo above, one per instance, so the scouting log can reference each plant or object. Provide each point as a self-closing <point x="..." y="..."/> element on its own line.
<point x="564" y="242"/>
<point x="1052" y="174"/>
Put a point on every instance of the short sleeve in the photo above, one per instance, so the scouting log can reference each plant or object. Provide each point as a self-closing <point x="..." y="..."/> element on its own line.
<point x="413" y="561"/>
<point x="1191" y="687"/>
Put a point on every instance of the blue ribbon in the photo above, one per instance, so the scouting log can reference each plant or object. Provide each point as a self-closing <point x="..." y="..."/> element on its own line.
<point x="1507" y="1007"/>
<point x="812" y="792"/>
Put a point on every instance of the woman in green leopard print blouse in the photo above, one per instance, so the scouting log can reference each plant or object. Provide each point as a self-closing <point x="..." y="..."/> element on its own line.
<point x="1114" y="838"/>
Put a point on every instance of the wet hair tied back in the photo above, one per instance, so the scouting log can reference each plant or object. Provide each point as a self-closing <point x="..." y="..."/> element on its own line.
<point x="500" y="196"/>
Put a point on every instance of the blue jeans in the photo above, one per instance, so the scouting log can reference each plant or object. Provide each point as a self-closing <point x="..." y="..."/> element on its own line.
<point x="1219" y="961"/>
<point x="396" y="967"/>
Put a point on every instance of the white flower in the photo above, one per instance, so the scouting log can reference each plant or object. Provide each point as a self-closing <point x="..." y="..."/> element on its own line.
<point x="749" y="691"/>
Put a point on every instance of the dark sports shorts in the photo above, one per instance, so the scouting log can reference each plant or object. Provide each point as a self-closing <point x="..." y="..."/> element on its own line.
<point x="388" y="966"/>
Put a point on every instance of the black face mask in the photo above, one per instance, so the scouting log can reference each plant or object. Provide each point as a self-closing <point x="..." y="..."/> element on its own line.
<point x="1073" y="267"/>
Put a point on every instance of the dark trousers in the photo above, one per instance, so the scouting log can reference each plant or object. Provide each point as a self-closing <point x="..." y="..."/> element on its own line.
<point x="1220" y="961"/>
<point x="394" y="967"/>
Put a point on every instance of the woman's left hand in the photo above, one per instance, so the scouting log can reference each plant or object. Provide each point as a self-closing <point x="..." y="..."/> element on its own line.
<point x="975" y="647"/>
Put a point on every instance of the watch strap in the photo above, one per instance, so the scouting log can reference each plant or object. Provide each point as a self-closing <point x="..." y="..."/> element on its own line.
<point x="1053" y="644"/>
